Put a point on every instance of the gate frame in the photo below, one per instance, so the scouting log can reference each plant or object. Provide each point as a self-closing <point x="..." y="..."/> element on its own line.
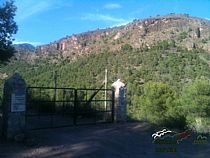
<point x="75" y="105"/>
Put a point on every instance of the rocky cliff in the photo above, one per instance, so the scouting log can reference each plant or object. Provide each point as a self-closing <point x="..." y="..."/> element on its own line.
<point x="183" y="29"/>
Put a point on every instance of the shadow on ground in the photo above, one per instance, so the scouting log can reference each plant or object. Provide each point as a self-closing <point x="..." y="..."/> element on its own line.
<point x="106" y="141"/>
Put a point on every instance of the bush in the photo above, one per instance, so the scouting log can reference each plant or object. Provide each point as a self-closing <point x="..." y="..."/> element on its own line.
<point x="195" y="102"/>
<point x="182" y="36"/>
<point x="158" y="105"/>
<point x="126" y="47"/>
<point x="204" y="41"/>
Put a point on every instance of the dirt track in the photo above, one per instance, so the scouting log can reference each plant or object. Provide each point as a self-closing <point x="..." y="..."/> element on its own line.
<point x="128" y="140"/>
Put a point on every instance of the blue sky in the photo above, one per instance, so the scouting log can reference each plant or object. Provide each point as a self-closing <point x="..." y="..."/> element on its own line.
<point x="44" y="21"/>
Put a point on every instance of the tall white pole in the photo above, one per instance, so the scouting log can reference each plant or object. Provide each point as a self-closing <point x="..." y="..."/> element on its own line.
<point x="105" y="88"/>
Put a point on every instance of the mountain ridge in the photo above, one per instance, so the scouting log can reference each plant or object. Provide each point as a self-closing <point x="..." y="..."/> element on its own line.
<point x="24" y="46"/>
<point x="184" y="30"/>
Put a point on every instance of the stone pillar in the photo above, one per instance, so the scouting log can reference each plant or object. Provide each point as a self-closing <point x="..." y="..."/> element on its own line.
<point x="120" y="101"/>
<point x="14" y="105"/>
<point x="122" y="108"/>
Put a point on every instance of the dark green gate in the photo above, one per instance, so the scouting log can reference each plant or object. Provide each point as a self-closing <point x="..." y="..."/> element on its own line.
<point x="48" y="107"/>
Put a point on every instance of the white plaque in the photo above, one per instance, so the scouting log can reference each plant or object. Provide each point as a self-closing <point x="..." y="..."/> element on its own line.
<point x="18" y="102"/>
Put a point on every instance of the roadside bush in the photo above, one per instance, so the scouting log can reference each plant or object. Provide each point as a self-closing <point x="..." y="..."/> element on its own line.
<point x="158" y="105"/>
<point x="175" y="118"/>
<point x="195" y="102"/>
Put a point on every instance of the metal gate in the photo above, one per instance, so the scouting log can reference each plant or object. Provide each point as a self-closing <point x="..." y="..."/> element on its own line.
<point x="48" y="107"/>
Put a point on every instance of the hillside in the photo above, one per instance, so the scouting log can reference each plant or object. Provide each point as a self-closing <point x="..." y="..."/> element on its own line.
<point x="163" y="62"/>
<point x="24" y="51"/>
<point x="189" y="32"/>
<point x="24" y="46"/>
<point x="167" y="74"/>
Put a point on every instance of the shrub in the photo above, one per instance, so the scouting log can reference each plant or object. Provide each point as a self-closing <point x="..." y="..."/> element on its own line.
<point x="126" y="47"/>
<point x="204" y="41"/>
<point x="195" y="102"/>
<point x="158" y="105"/>
<point x="182" y="36"/>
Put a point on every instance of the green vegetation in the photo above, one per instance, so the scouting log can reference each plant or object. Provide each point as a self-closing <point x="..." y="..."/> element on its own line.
<point x="126" y="47"/>
<point x="204" y="41"/>
<point x="157" y="98"/>
<point x="166" y="85"/>
<point x="182" y="36"/>
<point x="195" y="101"/>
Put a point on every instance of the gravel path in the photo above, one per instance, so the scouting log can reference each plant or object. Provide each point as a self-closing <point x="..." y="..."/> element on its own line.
<point x="128" y="140"/>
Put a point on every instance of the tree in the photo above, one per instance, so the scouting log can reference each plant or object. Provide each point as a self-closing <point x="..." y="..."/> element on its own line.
<point x="8" y="27"/>
<point x="156" y="101"/>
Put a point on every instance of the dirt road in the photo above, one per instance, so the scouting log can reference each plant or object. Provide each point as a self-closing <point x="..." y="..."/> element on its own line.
<point x="128" y="140"/>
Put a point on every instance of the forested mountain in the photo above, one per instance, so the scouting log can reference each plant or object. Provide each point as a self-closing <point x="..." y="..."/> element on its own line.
<point x="164" y="62"/>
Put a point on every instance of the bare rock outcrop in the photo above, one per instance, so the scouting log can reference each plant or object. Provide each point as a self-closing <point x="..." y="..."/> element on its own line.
<point x="185" y="30"/>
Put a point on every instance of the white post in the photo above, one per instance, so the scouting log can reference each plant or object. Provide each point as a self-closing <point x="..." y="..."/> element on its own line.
<point x="120" y="101"/>
<point x="105" y="88"/>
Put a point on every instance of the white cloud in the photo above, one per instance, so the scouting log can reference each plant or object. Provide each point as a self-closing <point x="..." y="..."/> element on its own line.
<point x="27" y="8"/>
<point x="29" y="42"/>
<point x="112" y="6"/>
<point x="207" y="18"/>
<point x="25" y="12"/>
<point x="102" y="17"/>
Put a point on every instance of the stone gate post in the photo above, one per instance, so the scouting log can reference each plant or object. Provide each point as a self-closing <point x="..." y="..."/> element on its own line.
<point x="120" y="101"/>
<point x="14" y="105"/>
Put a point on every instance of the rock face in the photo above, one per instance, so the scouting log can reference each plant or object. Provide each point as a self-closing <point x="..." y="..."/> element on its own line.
<point x="186" y="31"/>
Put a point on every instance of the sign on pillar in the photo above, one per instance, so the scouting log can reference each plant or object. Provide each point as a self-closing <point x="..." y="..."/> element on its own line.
<point x="18" y="102"/>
